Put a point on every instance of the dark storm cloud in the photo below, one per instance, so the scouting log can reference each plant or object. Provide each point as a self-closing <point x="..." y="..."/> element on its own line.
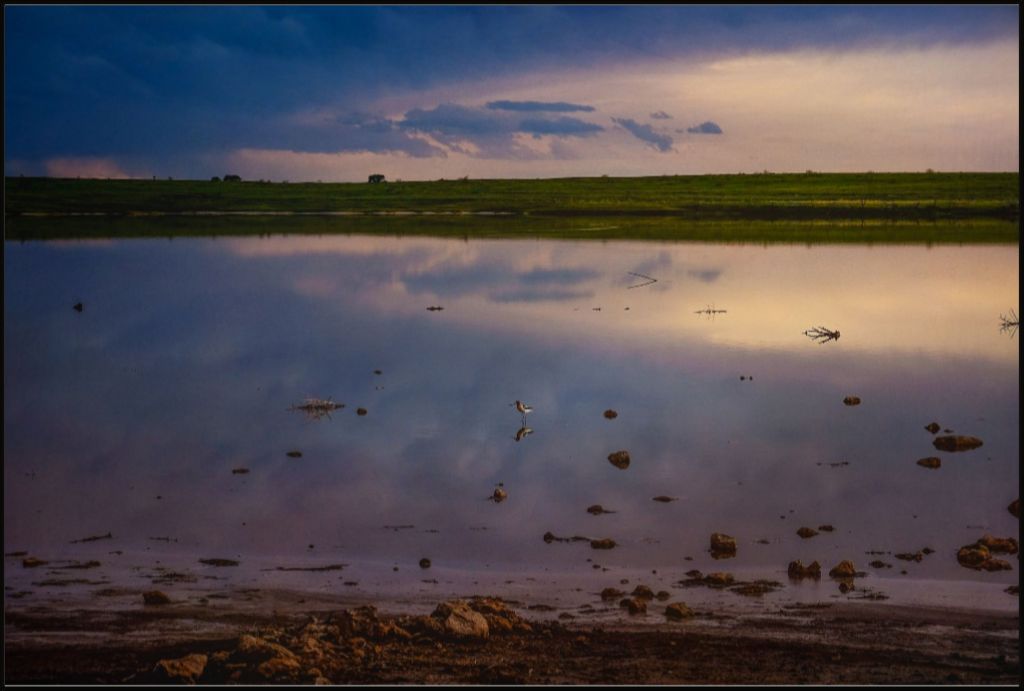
<point x="162" y="81"/>
<point x="561" y="127"/>
<point x="539" y="106"/>
<point x="661" y="142"/>
<point x="491" y="132"/>
<point x="705" y="128"/>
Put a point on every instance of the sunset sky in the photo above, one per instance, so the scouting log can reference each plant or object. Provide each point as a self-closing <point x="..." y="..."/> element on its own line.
<point x="335" y="93"/>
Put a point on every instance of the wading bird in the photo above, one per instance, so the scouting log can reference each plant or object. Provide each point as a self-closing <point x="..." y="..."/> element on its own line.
<point x="524" y="409"/>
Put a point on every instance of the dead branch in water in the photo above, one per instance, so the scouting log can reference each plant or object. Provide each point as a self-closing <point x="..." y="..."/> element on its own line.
<point x="648" y="280"/>
<point x="1009" y="324"/>
<point x="822" y="334"/>
<point x="710" y="310"/>
<point x="317" y="408"/>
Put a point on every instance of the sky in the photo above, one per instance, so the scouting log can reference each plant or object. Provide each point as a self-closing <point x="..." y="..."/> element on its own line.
<point x="335" y="93"/>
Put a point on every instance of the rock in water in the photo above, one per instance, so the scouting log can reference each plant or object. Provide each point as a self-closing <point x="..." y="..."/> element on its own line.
<point x="722" y="545"/>
<point x="619" y="459"/>
<point x="634" y="605"/>
<point x="930" y="462"/>
<point x="610" y="414"/>
<point x="798" y="571"/>
<point x="956" y="442"/>
<point x="1014" y="508"/>
<point x="844" y="569"/>
<point x="1004" y="545"/>
<point x="605" y="543"/>
<point x="643" y="592"/>
<point x="979" y="558"/>
<point x="806" y="532"/>
<point x="933" y="427"/>
<point x="852" y="400"/>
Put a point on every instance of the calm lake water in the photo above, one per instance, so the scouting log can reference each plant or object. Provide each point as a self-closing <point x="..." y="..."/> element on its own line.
<point x="129" y="416"/>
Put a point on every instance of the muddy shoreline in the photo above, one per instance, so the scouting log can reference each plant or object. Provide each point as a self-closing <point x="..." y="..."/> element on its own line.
<point x="321" y="640"/>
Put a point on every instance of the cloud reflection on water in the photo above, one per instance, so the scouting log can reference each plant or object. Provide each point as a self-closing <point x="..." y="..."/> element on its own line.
<point x="162" y="389"/>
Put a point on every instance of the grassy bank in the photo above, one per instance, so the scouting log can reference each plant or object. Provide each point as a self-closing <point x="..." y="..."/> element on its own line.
<point x="978" y="231"/>
<point x="808" y="196"/>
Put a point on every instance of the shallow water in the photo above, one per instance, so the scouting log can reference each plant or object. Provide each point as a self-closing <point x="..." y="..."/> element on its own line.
<point x="129" y="417"/>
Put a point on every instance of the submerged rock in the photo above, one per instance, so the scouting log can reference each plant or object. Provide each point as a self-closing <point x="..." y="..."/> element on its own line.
<point x="930" y="462"/>
<point x="798" y="571"/>
<point x="826" y="528"/>
<point x="722" y="545"/>
<point x="910" y="556"/>
<point x="604" y="543"/>
<point x="619" y="459"/>
<point x="678" y="611"/>
<point x="756" y="589"/>
<point x="360" y="411"/>
<point x="219" y="562"/>
<point x="719" y="579"/>
<point x="32" y="562"/>
<point x="155" y="597"/>
<point x="852" y="400"/>
<point x="499" y="495"/>
<point x="956" y="442"/>
<point x="610" y="414"/>
<point x="597" y="510"/>
<point x="424" y="563"/>
<point x="933" y="427"/>
<point x="186" y="669"/>
<point x="239" y="471"/>
<point x="611" y="593"/>
<point x="663" y="499"/>
<point x="294" y="454"/>
<point x="806" y="532"/>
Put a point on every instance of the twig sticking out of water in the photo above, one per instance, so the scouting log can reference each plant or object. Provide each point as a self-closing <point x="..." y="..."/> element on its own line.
<point x="710" y="310"/>
<point x="822" y="334"/>
<point x="317" y="408"/>
<point x="1010" y="324"/>
<point x="647" y="280"/>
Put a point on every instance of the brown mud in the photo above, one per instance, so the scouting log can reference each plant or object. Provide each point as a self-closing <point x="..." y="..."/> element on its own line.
<point x="316" y="640"/>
